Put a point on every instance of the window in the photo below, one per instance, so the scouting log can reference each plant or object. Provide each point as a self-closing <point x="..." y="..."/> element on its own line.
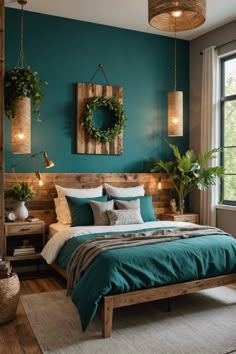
<point x="228" y="128"/>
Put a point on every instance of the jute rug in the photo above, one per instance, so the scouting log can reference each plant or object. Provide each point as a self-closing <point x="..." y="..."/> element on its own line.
<point x="203" y="322"/>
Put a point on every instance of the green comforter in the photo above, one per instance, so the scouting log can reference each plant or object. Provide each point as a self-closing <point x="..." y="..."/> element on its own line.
<point x="128" y="269"/>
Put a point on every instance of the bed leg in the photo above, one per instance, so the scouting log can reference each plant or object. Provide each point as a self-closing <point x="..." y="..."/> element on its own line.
<point x="107" y="316"/>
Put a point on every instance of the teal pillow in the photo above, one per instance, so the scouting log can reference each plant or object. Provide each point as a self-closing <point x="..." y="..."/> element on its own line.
<point x="146" y="206"/>
<point x="81" y="211"/>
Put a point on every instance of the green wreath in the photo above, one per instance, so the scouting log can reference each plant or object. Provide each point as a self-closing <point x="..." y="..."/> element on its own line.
<point x="109" y="134"/>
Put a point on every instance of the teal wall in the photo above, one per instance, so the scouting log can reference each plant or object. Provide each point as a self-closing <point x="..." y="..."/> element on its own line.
<point x="65" y="52"/>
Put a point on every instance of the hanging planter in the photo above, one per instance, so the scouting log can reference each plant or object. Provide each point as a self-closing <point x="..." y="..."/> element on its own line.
<point x="22" y="87"/>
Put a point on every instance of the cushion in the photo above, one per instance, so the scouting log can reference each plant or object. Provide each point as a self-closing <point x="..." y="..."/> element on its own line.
<point x="79" y="192"/>
<point x="80" y="210"/>
<point x="124" y="217"/>
<point x="127" y="204"/>
<point x="99" y="211"/>
<point x="124" y="192"/>
<point x="146" y="207"/>
<point x="62" y="210"/>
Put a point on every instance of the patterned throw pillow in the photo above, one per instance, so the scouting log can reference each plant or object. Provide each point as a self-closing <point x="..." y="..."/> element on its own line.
<point x="125" y="217"/>
<point x="99" y="211"/>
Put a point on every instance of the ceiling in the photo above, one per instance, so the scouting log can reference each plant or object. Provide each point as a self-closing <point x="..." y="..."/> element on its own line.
<point x="129" y="14"/>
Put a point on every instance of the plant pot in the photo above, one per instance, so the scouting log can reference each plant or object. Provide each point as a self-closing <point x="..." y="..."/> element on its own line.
<point x="21" y="211"/>
<point x="21" y="127"/>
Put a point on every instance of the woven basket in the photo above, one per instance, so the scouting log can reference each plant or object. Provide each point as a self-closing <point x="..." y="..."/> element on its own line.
<point x="9" y="298"/>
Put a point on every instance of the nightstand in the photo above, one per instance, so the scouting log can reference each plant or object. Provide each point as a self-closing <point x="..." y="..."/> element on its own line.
<point x="187" y="217"/>
<point x="24" y="240"/>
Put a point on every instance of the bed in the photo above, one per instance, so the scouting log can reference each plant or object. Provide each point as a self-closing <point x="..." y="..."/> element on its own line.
<point x="126" y="276"/>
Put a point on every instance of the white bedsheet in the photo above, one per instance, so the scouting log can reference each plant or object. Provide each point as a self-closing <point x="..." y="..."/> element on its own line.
<point x="54" y="228"/>
<point x="53" y="246"/>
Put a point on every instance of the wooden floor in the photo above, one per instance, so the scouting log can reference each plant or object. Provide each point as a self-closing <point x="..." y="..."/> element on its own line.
<point x="17" y="337"/>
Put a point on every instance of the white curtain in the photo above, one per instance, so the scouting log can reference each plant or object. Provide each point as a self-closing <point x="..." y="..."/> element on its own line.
<point x="210" y="129"/>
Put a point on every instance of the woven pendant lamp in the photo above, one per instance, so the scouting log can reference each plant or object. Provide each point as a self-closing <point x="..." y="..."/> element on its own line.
<point x="176" y="16"/>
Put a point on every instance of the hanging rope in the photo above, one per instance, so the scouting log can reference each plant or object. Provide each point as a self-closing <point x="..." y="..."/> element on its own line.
<point x="100" y="66"/>
<point x="21" y="58"/>
<point x="175" y="60"/>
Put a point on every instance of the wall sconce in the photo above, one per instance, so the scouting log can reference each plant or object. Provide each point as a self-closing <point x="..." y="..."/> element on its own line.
<point x="47" y="164"/>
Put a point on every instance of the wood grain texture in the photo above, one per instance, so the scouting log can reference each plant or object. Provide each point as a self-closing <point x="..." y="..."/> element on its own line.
<point x="84" y="142"/>
<point x="42" y="205"/>
<point x="2" y="68"/>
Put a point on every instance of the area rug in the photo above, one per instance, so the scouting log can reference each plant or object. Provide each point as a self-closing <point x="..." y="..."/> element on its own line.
<point x="203" y="322"/>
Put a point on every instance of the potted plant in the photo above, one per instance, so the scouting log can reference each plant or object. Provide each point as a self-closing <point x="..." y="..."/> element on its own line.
<point x="21" y="85"/>
<point x="22" y="192"/>
<point x="189" y="171"/>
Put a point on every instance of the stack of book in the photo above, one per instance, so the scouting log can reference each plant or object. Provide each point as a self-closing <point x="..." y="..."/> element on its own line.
<point x="23" y="250"/>
<point x="5" y="269"/>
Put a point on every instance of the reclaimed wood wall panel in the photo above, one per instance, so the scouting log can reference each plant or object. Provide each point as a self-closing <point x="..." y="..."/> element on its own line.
<point x="42" y="205"/>
<point x="2" y="71"/>
<point x="85" y="144"/>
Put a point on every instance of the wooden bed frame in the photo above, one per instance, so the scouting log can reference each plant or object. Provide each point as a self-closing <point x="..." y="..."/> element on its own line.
<point x="111" y="302"/>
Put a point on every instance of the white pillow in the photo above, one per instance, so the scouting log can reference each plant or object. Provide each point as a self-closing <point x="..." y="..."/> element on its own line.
<point x="62" y="210"/>
<point x="137" y="191"/>
<point x="79" y="192"/>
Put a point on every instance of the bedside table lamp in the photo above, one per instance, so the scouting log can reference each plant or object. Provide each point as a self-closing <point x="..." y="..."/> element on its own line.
<point x="47" y="164"/>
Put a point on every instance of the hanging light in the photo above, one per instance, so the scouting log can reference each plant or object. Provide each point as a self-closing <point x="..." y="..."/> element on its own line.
<point x="176" y="16"/>
<point x="21" y="123"/>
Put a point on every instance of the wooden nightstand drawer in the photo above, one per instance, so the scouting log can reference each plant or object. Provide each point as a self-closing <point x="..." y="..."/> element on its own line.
<point x="193" y="218"/>
<point x="24" y="228"/>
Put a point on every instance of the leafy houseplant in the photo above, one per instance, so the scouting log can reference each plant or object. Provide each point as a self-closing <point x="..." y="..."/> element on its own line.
<point x="19" y="83"/>
<point x="189" y="171"/>
<point x="22" y="192"/>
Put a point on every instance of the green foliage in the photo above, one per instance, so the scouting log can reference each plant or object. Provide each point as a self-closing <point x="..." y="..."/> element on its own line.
<point x="109" y="134"/>
<point x="189" y="171"/>
<point x="22" y="191"/>
<point x="22" y="82"/>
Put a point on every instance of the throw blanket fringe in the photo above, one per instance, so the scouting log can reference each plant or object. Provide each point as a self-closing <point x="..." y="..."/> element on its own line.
<point x="84" y="254"/>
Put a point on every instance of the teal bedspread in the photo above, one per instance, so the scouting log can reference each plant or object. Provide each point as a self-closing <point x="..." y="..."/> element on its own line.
<point x="129" y="269"/>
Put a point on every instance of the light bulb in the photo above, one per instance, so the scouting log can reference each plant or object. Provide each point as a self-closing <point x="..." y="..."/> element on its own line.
<point x="40" y="182"/>
<point x="21" y="136"/>
<point x="175" y="120"/>
<point x="176" y="13"/>
<point x="159" y="186"/>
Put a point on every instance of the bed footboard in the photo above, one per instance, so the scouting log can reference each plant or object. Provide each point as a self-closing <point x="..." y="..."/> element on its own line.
<point x="162" y="292"/>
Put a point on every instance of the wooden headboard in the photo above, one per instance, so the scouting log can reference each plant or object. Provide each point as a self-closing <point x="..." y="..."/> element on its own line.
<point x="42" y="205"/>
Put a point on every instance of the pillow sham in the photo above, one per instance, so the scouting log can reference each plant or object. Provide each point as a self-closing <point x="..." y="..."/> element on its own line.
<point x="80" y="210"/>
<point x="62" y="210"/>
<point x="124" y="217"/>
<point x="99" y="211"/>
<point x="127" y="204"/>
<point x="79" y="192"/>
<point x="146" y="207"/>
<point x="124" y="192"/>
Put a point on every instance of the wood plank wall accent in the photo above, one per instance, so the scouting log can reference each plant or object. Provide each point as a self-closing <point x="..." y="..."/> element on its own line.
<point x="43" y="205"/>
<point x="2" y="71"/>
<point x="85" y="143"/>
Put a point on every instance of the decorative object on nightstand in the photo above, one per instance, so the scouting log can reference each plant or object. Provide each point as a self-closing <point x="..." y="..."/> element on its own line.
<point x="188" y="217"/>
<point x="22" y="192"/>
<point x="189" y="171"/>
<point x="173" y="207"/>
<point x="24" y="240"/>
<point x="9" y="292"/>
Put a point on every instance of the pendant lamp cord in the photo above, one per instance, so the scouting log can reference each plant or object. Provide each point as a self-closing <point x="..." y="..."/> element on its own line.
<point x="175" y="59"/>
<point x="22" y="37"/>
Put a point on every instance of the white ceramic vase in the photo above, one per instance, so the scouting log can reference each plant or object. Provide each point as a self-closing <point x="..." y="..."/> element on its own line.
<point x="21" y="211"/>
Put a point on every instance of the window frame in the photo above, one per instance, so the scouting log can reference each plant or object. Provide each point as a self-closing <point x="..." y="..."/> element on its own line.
<point x="223" y="100"/>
